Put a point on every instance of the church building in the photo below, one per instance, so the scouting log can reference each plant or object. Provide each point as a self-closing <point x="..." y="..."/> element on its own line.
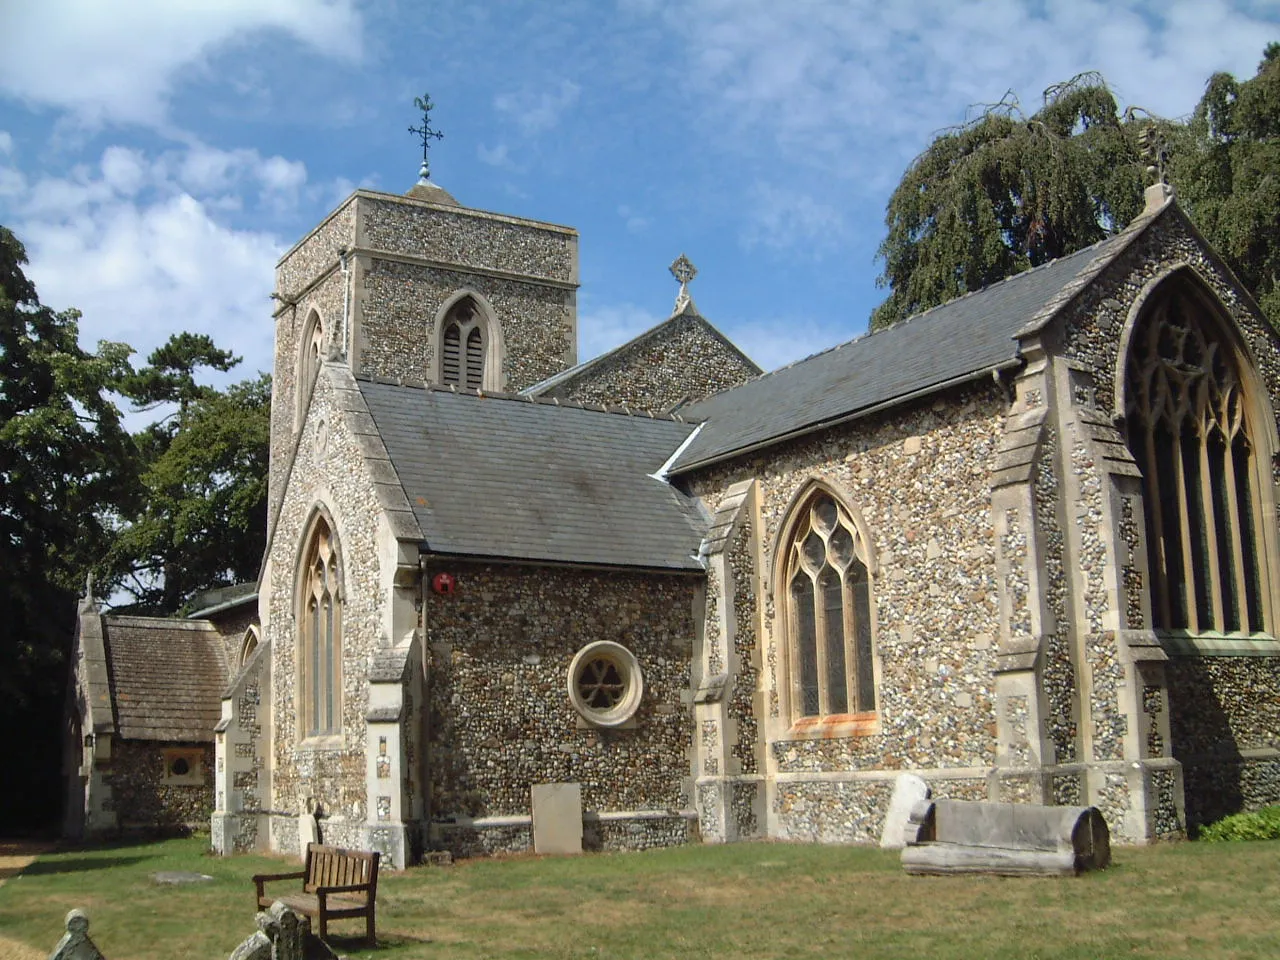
<point x="1023" y="545"/>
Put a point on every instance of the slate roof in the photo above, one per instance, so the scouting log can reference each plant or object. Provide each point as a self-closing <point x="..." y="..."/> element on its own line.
<point x="166" y="677"/>
<point x="516" y="478"/>
<point x="974" y="333"/>
<point x="587" y="366"/>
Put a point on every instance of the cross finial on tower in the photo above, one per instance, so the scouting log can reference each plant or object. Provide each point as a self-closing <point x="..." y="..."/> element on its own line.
<point x="426" y="132"/>
<point x="684" y="271"/>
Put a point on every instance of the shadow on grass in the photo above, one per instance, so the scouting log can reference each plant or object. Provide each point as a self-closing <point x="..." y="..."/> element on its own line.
<point x="358" y="945"/>
<point x="77" y="864"/>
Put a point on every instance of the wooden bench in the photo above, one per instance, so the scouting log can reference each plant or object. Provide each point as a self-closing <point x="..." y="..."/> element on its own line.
<point x="1013" y="839"/>
<point x="336" y="884"/>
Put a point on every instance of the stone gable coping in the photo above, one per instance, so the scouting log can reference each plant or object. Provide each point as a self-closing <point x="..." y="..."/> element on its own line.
<point x="618" y="410"/>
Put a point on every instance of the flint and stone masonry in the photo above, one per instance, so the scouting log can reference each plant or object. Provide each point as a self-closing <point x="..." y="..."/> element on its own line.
<point x="1000" y="510"/>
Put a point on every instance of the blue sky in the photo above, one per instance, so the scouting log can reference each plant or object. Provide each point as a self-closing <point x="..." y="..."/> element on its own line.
<point x="156" y="156"/>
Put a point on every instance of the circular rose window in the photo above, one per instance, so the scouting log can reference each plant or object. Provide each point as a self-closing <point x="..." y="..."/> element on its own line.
<point x="605" y="684"/>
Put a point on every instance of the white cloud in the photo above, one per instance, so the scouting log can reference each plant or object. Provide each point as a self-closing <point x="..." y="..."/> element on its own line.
<point x="822" y="80"/>
<point x="784" y="218"/>
<point x="603" y="327"/>
<point x="635" y="221"/>
<point x="537" y="111"/>
<point x="6" y="142"/>
<point x="137" y="244"/>
<point x="120" y="61"/>
<point x="776" y="342"/>
<point x="494" y="157"/>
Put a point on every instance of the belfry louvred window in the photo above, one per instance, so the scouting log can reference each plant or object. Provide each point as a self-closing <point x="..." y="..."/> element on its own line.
<point x="829" y="600"/>
<point x="1188" y="424"/>
<point x="463" y="347"/>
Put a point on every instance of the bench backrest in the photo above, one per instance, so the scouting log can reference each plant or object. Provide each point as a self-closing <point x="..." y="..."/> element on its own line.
<point x="335" y="867"/>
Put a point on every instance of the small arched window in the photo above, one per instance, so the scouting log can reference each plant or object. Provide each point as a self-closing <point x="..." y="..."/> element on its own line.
<point x="1188" y="416"/>
<point x="828" y="598"/>
<point x="248" y="644"/>
<point x="310" y="353"/>
<point x="464" y="346"/>
<point x="320" y="646"/>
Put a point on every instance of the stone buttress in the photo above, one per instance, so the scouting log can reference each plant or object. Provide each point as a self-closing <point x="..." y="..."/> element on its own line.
<point x="729" y="787"/>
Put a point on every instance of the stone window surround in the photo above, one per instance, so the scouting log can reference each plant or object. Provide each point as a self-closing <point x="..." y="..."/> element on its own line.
<point x="311" y="355"/>
<point x="194" y="757"/>
<point x="822" y="727"/>
<point x="486" y="319"/>
<point x="1266" y="440"/>
<point x="622" y="714"/>
<point x="319" y="521"/>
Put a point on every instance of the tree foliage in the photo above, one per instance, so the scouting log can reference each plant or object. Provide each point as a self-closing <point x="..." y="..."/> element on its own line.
<point x="202" y="520"/>
<point x="1004" y="193"/>
<point x="66" y="468"/>
<point x="1227" y="175"/>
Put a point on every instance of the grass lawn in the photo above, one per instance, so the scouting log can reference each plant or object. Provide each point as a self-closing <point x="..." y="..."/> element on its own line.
<point x="757" y="900"/>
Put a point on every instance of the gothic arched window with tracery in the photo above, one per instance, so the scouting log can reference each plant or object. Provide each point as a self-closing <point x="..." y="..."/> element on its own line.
<point x="1188" y="418"/>
<point x="463" y="346"/>
<point x="828" y="590"/>
<point x="320" y="621"/>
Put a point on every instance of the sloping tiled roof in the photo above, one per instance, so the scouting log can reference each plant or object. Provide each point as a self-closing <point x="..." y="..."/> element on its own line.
<point x="588" y="366"/>
<point x="166" y="677"/>
<point x="971" y="334"/>
<point x="516" y="478"/>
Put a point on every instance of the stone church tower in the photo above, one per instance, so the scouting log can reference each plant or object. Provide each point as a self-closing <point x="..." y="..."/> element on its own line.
<point x="418" y="287"/>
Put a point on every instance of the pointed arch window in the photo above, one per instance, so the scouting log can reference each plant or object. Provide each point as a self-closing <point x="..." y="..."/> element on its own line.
<point x="320" y="649"/>
<point x="464" y="346"/>
<point x="1187" y="414"/>
<point x="828" y="590"/>
<point x="310" y="352"/>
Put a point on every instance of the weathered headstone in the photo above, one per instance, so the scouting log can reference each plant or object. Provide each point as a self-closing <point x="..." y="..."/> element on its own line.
<point x="908" y="790"/>
<point x="282" y="934"/>
<point x="75" y="943"/>
<point x="308" y="832"/>
<point x="557" y="817"/>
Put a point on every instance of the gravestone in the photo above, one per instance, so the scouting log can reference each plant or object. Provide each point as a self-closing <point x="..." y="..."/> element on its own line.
<point x="908" y="790"/>
<point x="557" y="817"/>
<point x="308" y="832"/>
<point x="75" y="943"/>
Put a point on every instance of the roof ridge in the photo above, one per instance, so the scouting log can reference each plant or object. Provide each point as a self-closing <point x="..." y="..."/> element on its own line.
<point x="522" y="398"/>
<point x="923" y="313"/>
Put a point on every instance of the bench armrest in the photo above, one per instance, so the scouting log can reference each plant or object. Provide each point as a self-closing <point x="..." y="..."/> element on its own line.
<point x="260" y="879"/>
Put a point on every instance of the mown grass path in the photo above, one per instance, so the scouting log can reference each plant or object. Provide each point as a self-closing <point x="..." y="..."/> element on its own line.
<point x="758" y="900"/>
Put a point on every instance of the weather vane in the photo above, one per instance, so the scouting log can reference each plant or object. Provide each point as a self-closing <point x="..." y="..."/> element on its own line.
<point x="426" y="132"/>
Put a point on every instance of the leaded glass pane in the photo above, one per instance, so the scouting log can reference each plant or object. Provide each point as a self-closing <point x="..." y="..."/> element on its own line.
<point x="841" y="547"/>
<point x="825" y="514"/>
<point x="815" y="551"/>
<point x="860" y="587"/>
<point x="806" y="644"/>
<point x="833" y="614"/>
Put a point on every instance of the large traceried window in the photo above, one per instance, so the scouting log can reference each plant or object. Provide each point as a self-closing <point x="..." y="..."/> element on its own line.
<point x="320" y="621"/>
<point x="829" y="605"/>
<point x="1187" y="414"/>
<point x="463" y="346"/>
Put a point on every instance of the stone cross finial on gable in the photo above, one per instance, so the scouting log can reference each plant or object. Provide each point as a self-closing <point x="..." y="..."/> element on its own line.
<point x="682" y="269"/>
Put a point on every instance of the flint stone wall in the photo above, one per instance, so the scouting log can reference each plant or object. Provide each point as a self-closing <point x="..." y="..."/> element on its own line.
<point x="397" y="321"/>
<point x="919" y="478"/>
<point x="329" y="471"/>
<point x="140" y="796"/>
<point x="683" y="360"/>
<point x="500" y="719"/>
<point x="1219" y="706"/>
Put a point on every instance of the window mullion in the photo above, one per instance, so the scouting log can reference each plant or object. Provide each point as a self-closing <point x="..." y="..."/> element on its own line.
<point x="852" y="668"/>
